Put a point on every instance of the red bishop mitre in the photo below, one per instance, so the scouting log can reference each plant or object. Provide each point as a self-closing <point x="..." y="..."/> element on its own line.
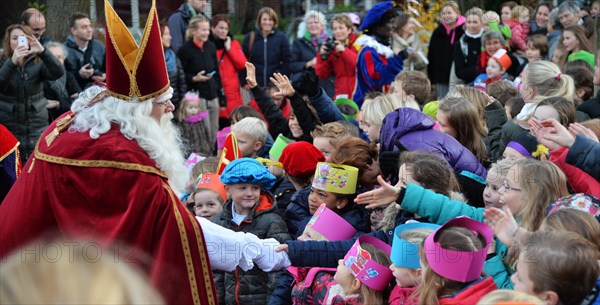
<point x="230" y="152"/>
<point x="134" y="73"/>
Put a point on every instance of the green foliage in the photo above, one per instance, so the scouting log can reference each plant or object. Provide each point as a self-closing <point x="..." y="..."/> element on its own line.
<point x="283" y="22"/>
<point x="39" y="6"/>
<point x="344" y="8"/>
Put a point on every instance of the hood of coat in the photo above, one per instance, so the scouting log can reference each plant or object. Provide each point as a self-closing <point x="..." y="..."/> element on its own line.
<point x="400" y="122"/>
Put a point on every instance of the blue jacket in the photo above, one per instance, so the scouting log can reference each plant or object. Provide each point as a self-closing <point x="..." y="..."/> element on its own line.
<point x="269" y="55"/>
<point x="585" y="154"/>
<point x="376" y="67"/>
<point x="297" y="211"/>
<point x="414" y="130"/>
<point x="178" y="25"/>
<point x="325" y="108"/>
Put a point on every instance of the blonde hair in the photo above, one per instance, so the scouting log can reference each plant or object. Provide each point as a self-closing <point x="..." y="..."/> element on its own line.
<point x="541" y="183"/>
<point x="372" y="296"/>
<point x="342" y="19"/>
<point x="473" y="95"/>
<point x="333" y="130"/>
<point x="518" y="10"/>
<point x="559" y="258"/>
<point x="253" y="127"/>
<point x="502" y="167"/>
<point x="464" y="118"/>
<point x="194" y="24"/>
<point x="373" y="111"/>
<point x="74" y="278"/>
<point x="434" y="285"/>
<point x="548" y="81"/>
<point x="475" y="11"/>
<point x="453" y="5"/>
<point x="180" y="115"/>
<point x="505" y="295"/>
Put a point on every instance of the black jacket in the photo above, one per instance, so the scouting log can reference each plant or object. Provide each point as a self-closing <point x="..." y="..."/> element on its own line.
<point x="269" y="55"/>
<point x="22" y="103"/>
<point x="440" y="54"/>
<point x="591" y="106"/>
<point x="76" y="59"/>
<point x="61" y="90"/>
<point x="194" y="60"/>
<point x="466" y="57"/>
<point x="302" y="52"/>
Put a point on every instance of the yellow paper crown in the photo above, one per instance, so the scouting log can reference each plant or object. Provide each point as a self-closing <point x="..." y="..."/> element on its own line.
<point x="335" y="178"/>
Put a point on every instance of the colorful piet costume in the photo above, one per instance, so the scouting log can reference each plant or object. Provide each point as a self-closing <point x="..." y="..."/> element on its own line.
<point x="310" y="284"/>
<point x="108" y="189"/>
<point x="377" y="65"/>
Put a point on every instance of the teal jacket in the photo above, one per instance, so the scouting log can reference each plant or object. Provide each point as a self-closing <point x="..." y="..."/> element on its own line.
<point x="439" y="209"/>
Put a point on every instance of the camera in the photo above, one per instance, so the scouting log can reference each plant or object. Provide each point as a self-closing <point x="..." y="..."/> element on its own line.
<point x="329" y="44"/>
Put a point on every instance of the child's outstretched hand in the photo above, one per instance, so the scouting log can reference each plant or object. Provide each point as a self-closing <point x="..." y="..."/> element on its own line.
<point x="380" y="197"/>
<point x="282" y="82"/>
<point x="503" y="224"/>
<point x="251" y="75"/>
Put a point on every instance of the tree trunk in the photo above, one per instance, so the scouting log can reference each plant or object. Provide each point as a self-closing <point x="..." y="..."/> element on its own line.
<point x="58" y="15"/>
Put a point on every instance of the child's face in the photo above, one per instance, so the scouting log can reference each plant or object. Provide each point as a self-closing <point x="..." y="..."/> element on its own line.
<point x="595" y="9"/>
<point x="506" y="14"/>
<point x="557" y="56"/>
<point x="295" y="127"/>
<point x="570" y="41"/>
<point x="324" y="145"/>
<point x="207" y="204"/>
<point x="493" y="182"/>
<point x="245" y="196"/>
<point x="406" y="277"/>
<point x="521" y="280"/>
<point x="192" y="108"/>
<point x="318" y="197"/>
<point x="344" y="278"/>
<point x="512" y="154"/>
<point x="511" y="198"/>
<point x="248" y="145"/>
<point x="371" y="130"/>
<point x="310" y="234"/>
<point x="524" y="17"/>
<point x="532" y="53"/>
<point x="442" y="120"/>
<point x="405" y="176"/>
<point x="493" y="69"/>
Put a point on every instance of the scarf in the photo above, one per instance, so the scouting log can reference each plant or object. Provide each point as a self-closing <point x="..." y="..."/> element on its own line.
<point x="219" y="43"/>
<point x="171" y="60"/>
<point x="369" y="41"/>
<point x="316" y="40"/>
<point x="459" y="22"/>
<point x="483" y="59"/>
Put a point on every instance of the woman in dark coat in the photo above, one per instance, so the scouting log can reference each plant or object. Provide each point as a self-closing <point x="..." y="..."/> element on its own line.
<point x="62" y="92"/>
<point x="23" y="70"/>
<point x="174" y="68"/>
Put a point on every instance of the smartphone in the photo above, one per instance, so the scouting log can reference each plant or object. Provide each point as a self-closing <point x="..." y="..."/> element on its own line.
<point x="22" y="39"/>
<point x="212" y="73"/>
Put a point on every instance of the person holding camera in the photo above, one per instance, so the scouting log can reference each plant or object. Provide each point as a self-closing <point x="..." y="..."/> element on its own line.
<point x="337" y="56"/>
<point x="304" y="49"/>
<point x="86" y="55"/>
<point x="24" y="66"/>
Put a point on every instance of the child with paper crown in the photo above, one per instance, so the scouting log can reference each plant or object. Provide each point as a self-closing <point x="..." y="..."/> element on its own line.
<point x="363" y="276"/>
<point x="406" y="266"/>
<point x="310" y="284"/>
<point x="452" y="261"/>
<point x="209" y="196"/>
<point x="192" y="118"/>
<point x="250" y="208"/>
<point x="496" y="69"/>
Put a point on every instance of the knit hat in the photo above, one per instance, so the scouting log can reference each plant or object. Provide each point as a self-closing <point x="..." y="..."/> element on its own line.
<point x="247" y="170"/>
<point x="300" y="159"/>
<point x="528" y="146"/>
<point x="341" y="101"/>
<point x="503" y="59"/>
<point x="213" y="182"/>
<point x="583" y="202"/>
<point x="376" y="14"/>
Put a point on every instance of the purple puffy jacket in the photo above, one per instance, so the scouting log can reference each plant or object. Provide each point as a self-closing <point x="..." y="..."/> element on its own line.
<point x="414" y="130"/>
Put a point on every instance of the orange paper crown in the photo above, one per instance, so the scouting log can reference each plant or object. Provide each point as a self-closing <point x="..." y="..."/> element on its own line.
<point x="230" y="152"/>
<point x="134" y="73"/>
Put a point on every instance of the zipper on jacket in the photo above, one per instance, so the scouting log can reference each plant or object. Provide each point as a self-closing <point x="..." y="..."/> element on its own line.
<point x="265" y="84"/>
<point x="237" y="288"/>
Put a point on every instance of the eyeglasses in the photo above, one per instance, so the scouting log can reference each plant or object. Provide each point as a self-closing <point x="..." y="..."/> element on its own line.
<point x="508" y="188"/>
<point x="376" y="210"/>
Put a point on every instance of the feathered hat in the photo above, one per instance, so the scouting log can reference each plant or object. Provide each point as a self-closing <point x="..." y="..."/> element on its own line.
<point x="134" y="73"/>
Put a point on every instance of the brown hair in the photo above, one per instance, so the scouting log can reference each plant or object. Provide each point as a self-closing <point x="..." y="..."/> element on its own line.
<point x="515" y="104"/>
<point x="510" y="4"/>
<point x="594" y="125"/>
<point x="415" y="83"/>
<point x="538" y="42"/>
<point x="8" y="52"/>
<point x="218" y="18"/>
<point x="473" y="95"/>
<point x="77" y="16"/>
<point x="464" y="118"/>
<point x="559" y="258"/>
<point x="502" y="91"/>
<point x="208" y="165"/>
<point x="194" y="23"/>
<point x="434" y="285"/>
<point x="400" y="21"/>
<point x="372" y="296"/>
<point x="579" y="31"/>
<point x="541" y="183"/>
<point x="565" y="108"/>
<point x="431" y="171"/>
<point x="244" y="111"/>
<point x="580" y="71"/>
<point x="271" y="13"/>
<point x="342" y="19"/>
<point x="576" y="221"/>
<point x="518" y="10"/>
<point x="355" y="152"/>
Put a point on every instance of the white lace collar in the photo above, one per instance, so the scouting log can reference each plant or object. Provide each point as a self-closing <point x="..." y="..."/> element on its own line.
<point x="368" y="41"/>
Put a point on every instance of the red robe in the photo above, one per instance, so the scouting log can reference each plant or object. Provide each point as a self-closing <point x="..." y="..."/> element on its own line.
<point x="109" y="190"/>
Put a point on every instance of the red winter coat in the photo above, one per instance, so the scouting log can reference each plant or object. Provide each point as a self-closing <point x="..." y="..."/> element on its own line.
<point x="403" y="296"/>
<point x="470" y="294"/>
<point x="233" y="61"/>
<point x="579" y="180"/>
<point x="342" y="66"/>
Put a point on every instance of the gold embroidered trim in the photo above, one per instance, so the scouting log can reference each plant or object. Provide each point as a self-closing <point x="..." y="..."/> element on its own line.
<point x="186" y="247"/>
<point x="10" y="151"/>
<point x="60" y="126"/>
<point x="98" y="163"/>
<point x="208" y="281"/>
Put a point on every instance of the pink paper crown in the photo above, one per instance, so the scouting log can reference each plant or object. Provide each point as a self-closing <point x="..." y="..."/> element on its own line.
<point x="330" y="224"/>
<point x="192" y="96"/>
<point x="461" y="266"/>
<point x="365" y="269"/>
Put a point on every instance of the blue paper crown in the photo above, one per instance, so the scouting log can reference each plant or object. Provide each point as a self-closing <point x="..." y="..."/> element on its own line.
<point x="404" y="253"/>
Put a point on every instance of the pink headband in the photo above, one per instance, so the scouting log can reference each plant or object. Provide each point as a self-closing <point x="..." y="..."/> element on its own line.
<point x="461" y="266"/>
<point x="192" y="96"/>
<point x="330" y="224"/>
<point x="365" y="269"/>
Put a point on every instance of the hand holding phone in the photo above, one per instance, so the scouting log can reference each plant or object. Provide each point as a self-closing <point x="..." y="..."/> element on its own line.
<point x="212" y="73"/>
<point x="22" y="40"/>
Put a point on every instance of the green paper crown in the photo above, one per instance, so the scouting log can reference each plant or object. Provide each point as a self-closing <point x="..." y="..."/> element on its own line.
<point x="280" y="143"/>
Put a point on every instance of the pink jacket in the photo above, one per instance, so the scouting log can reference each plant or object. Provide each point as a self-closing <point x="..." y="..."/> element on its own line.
<point x="579" y="180"/>
<point x="403" y="296"/>
<point x="519" y="30"/>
